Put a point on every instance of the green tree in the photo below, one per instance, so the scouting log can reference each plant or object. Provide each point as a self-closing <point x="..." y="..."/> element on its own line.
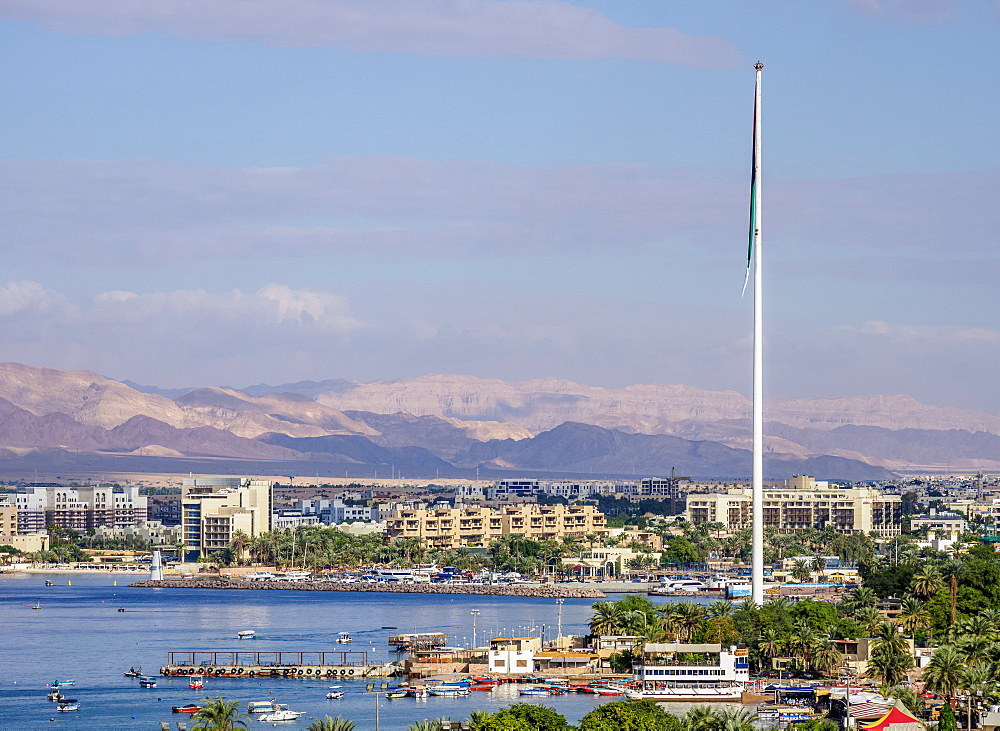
<point x="526" y="717"/>
<point x="630" y="716"/>
<point x="218" y="714"/>
<point x="947" y="720"/>
<point x="890" y="655"/>
<point x="329" y="723"/>
<point x="945" y="672"/>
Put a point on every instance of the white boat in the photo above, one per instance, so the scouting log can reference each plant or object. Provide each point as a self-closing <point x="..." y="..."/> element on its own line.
<point x="449" y="690"/>
<point x="261" y="706"/>
<point x="664" y="674"/>
<point x="344" y="638"/>
<point x="397" y="693"/>
<point x="147" y="682"/>
<point x="69" y="705"/>
<point x="334" y="695"/>
<point x="281" y="713"/>
<point x="667" y="587"/>
<point x="246" y="634"/>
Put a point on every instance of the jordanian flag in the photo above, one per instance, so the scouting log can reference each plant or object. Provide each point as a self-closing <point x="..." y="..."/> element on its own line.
<point x="754" y="185"/>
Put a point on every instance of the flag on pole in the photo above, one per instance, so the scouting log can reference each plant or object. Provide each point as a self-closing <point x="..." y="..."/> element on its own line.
<point x="753" y="190"/>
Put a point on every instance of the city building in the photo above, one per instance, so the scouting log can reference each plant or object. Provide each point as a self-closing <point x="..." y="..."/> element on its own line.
<point x="78" y="507"/>
<point x="215" y="508"/>
<point x="803" y="503"/>
<point x="513" y="655"/>
<point x="11" y="536"/>
<point x="649" y="487"/>
<point x="336" y="511"/>
<point x="935" y="521"/>
<point x="447" y="528"/>
<point x="164" y="508"/>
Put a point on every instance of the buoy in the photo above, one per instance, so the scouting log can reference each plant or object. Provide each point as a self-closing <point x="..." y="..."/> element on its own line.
<point x="69" y="583"/>
<point x="114" y="583"/>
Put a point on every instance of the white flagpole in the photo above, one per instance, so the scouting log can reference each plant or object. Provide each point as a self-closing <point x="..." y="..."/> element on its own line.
<point x="757" y="576"/>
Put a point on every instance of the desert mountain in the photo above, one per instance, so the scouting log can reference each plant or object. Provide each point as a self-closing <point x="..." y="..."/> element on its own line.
<point x="648" y="409"/>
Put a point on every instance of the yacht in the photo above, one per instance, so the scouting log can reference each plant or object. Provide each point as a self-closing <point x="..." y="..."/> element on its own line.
<point x="281" y="713"/>
<point x="666" y="587"/>
<point x="689" y="672"/>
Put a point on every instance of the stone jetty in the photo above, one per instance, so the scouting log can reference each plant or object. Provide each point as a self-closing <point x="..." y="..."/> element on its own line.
<point x="548" y="591"/>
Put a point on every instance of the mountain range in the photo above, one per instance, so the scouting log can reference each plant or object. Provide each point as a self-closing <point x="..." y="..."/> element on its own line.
<point x="452" y="425"/>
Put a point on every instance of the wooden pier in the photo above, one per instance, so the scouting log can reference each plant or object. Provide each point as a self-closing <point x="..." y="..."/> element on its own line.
<point x="274" y="664"/>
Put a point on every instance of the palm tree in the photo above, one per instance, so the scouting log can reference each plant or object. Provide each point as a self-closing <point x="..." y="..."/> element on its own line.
<point x="736" y="719"/>
<point x="238" y="544"/>
<point x="478" y="718"/>
<point x="218" y="714"/>
<point x="689" y="617"/>
<point x="771" y="644"/>
<point x="926" y="582"/>
<point x="747" y="605"/>
<point x="608" y="618"/>
<point x="720" y="608"/>
<point x="826" y="658"/>
<point x="945" y="672"/>
<point x="699" y="718"/>
<point x="801" y="571"/>
<point x="890" y="655"/>
<point x="975" y="649"/>
<point x="908" y="696"/>
<point x="913" y="615"/>
<point x="802" y="640"/>
<point x="869" y="619"/>
<point x="331" y="724"/>
<point x="862" y="596"/>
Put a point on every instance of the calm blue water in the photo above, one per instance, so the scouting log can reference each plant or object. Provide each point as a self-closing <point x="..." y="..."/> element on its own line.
<point x="80" y="634"/>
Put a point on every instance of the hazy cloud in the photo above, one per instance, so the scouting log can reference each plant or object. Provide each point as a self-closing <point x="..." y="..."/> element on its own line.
<point x="470" y="28"/>
<point x="148" y="212"/>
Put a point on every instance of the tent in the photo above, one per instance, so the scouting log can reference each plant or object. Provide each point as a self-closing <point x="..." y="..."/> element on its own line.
<point x="897" y="718"/>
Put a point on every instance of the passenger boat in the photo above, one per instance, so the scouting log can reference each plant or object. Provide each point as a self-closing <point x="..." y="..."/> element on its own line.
<point x="261" y="706"/>
<point x="246" y="634"/>
<point x="147" y="682"/>
<point x="344" y="638"/>
<point x="281" y="713"/>
<point x="68" y="705"/>
<point x="665" y="674"/>
<point x="189" y="708"/>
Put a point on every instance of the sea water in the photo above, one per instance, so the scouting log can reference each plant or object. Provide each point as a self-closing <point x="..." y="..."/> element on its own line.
<point x="79" y="634"/>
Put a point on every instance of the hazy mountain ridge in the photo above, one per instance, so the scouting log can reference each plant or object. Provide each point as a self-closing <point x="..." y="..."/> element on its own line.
<point x="700" y="433"/>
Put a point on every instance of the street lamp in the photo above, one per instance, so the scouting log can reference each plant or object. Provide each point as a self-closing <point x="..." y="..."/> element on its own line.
<point x="559" y="602"/>
<point x="475" y="615"/>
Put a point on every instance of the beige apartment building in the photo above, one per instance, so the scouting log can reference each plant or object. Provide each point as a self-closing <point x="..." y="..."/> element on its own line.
<point x="803" y="503"/>
<point x="446" y="528"/>
<point x="11" y="536"/>
<point x="214" y="508"/>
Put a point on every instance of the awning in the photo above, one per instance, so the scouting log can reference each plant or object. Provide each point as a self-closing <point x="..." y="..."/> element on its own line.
<point x="897" y="718"/>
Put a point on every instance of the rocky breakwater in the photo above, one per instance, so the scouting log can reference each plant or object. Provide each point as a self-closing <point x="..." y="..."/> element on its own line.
<point x="550" y="591"/>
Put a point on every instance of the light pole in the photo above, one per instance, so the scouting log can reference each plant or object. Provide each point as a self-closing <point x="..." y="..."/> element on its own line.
<point x="559" y="602"/>
<point x="475" y="615"/>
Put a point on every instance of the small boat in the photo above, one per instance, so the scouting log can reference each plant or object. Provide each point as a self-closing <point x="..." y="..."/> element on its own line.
<point x="196" y="684"/>
<point x="56" y="696"/>
<point x="281" y="713"/>
<point x="448" y="690"/>
<point x="61" y="683"/>
<point x="68" y="705"/>
<point x="189" y="708"/>
<point x="147" y="682"/>
<point x="48" y="582"/>
<point x="385" y="626"/>
<point x="397" y="692"/>
<point x="534" y="691"/>
<point x="344" y="638"/>
<point x="246" y="634"/>
<point x="133" y="673"/>
<point x="482" y="686"/>
<point x="334" y="695"/>
<point x="261" y="706"/>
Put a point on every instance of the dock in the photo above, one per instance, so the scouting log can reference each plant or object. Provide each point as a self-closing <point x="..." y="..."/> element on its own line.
<point x="305" y="664"/>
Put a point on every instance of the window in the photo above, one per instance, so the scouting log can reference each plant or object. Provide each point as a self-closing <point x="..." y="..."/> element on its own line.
<point x="522" y="663"/>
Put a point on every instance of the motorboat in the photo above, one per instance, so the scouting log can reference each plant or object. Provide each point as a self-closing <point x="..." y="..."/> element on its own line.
<point x="196" y="684"/>
<point x="55" y="695"/>
<point x="246" y="634"/>
<point x="334" y="695"/>
<point x="48" y="582"/>
<point x="189" y="708"/>
<point x="147" y="682"/>
<point x="533" y="691"/>
<point x="61" y="683"/>
<point x="261" y="706"/>
<point x="133" y="673"/>
<point x="281" y="713"/>
<point x="68" y="705"/>
<point x="344" y="638"/>
<point x="397" y="692"/>
<point x="449" y="690"/>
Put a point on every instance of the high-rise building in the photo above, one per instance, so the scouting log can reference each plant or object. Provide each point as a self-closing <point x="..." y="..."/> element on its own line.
<point x="78" y="507"/>
<point x="215" y="508"/>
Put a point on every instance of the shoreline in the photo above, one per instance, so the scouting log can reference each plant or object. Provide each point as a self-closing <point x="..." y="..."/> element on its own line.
<point x="547" y="591"/>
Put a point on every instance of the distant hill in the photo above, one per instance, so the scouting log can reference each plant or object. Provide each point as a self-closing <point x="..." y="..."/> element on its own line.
<point x="445" y="424"/>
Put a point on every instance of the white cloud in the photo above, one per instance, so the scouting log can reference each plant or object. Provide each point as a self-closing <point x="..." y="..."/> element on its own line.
<point x="28" y="298"/>
<point x="470" y="28"/>
<point x="929" y="335"/>
<point x="906" y="11"/>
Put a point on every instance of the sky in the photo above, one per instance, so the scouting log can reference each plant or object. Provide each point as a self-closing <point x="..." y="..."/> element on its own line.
<point x="230" y="192"/>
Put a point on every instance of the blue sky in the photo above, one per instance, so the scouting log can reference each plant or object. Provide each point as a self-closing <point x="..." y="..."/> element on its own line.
<point x="244" y="191"/>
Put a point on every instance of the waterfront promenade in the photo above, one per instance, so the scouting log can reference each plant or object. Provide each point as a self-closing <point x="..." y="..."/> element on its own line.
<point x="547" y="591"/>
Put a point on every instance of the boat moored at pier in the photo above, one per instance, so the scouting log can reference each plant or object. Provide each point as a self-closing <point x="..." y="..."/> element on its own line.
<point x="690" y="672"/>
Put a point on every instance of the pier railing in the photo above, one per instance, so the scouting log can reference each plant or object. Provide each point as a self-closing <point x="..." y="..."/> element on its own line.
<point x="216" y="658"/>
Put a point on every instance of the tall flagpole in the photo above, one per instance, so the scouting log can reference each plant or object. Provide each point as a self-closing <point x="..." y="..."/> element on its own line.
<point x="757" y="576"/>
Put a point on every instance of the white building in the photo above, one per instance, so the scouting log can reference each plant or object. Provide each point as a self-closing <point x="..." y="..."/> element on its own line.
<point x="78" y="507"/>
<point x="513" y="655"/>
